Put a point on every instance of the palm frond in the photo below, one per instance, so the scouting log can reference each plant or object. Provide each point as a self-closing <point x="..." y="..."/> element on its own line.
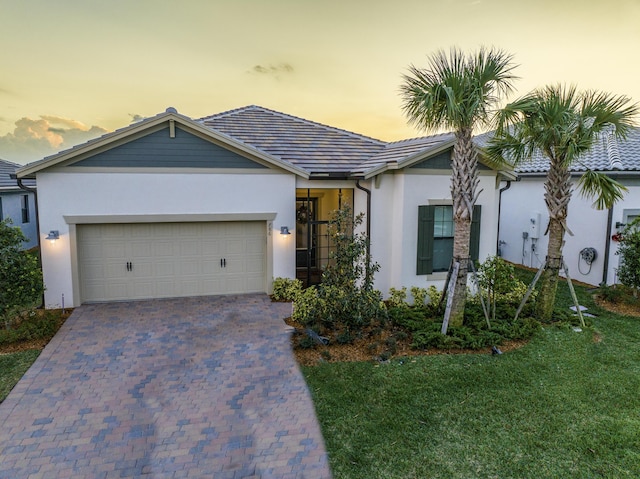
<point x="456" y="91"/>
<point x="605" y="190"/>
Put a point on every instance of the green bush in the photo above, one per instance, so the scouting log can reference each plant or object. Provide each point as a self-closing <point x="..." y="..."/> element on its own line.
<point x="21" y="285"/>
<point x="32" y="326"/>
<point x="612" y="294"/>
<point x="398" y="297"/>
<point x="629" y="251"/>
<point x="308" y="306"/>
<point x="345" y="302"/>
<point x="286" y="289"/>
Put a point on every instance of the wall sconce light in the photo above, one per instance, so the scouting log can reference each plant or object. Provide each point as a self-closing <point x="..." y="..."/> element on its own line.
<point x="284" y="230"/>
<point x="53" y="236"/>
<point x="620" y="224"/>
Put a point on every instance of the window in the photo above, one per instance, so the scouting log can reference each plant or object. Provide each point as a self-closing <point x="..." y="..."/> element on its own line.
<point x="25" y="208"/>
<point x="435" y="237"/>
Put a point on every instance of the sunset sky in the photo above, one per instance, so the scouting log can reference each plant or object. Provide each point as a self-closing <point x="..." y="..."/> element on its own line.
<point x="74" y="69"/>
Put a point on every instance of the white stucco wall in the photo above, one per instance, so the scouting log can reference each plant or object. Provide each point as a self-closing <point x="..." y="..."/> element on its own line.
<point x="524" y="200"/>
<point x="395" y="223"/>
<point x="90" y="194"/>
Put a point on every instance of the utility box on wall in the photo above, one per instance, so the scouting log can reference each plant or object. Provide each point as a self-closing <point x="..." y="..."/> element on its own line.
<point x="534" y="229"/>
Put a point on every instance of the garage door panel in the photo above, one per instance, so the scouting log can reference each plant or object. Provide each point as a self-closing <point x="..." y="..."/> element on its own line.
<point x="170" y="259"/>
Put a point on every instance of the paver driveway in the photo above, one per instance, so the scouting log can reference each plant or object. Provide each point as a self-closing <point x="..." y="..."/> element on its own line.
<point x="193" y="387"/>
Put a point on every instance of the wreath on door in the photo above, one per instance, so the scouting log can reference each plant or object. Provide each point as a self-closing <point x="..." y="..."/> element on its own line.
<point x="302" y="214"/>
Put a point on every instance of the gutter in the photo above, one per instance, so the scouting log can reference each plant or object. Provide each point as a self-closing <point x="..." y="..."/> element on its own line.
<point x="607" y="246"/>
<point x="368" y="265"/>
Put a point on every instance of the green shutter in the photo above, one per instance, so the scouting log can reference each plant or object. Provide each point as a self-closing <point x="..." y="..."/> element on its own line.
<point x="474" y="246"/>
<point x="425" y="240"/>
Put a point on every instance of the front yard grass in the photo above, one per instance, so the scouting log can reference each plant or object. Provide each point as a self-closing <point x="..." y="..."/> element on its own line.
<point x="12" y="368"/>
<point x="565" y="405"/>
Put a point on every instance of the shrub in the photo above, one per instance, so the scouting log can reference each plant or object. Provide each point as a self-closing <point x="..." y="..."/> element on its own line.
<point x="308" y="306"/>
<point x="21" y="286"/>
<point x="611" y="294"/>
<point x="398" y="297"/>
<point x="629" y="251"/>
<point x="345" y="301"/>
<point x="32" y="326"/>
<point x="286" y="289"/>
<point x="499" y="285"/>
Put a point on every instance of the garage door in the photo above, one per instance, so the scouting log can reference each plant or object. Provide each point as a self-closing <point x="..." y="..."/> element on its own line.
<point x="162" y="260"/>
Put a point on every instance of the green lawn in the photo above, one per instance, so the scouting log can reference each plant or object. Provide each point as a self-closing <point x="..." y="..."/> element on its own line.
<point x="565" y="405"/>
<point x="12" y="368"/>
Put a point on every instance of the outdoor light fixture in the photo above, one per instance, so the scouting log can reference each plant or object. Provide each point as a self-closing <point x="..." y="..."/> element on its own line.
<point x="284" y="230"/>
<point x="53" y="236"/>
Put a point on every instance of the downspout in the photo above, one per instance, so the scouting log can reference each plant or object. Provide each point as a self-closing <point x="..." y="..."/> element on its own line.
<point x="607" y="246"/>
<point x="35" y="198"/>
<point x="502" y="190"/>
<point x="368" y="224"/>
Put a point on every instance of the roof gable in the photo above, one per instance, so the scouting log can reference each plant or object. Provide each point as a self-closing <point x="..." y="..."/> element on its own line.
<point x="165" y="148"/>
<point x="174" y="121"/>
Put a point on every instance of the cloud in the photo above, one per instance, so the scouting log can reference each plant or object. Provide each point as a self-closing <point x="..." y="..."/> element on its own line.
<point x="136" y="118"/>
<point x="32" y="140"/>
<point x="272" y="70"/>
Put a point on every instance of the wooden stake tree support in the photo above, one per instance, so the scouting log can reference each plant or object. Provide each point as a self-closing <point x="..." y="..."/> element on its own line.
<point x="565" y="270"/>
<point x="449" y="287"/>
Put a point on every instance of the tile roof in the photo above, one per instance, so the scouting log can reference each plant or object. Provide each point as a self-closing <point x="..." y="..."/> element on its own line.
<point x="399" y="151"/>
<point x="6" y="183"/>
<point x="298" y="145"/>
<point x="312" y="146"/>
<point x="608" y="154"/>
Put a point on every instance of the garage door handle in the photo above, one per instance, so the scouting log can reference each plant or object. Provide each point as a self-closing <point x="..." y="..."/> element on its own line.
<point x="129" y="266"/>
<point x="223" y="262"/>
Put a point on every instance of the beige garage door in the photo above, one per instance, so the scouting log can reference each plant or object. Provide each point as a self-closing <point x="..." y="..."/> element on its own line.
<point x="163" y="260"/>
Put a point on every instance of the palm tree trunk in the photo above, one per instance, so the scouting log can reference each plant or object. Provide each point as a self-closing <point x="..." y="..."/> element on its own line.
<point x="464" y="182"/>
<point x="557" y="196"/>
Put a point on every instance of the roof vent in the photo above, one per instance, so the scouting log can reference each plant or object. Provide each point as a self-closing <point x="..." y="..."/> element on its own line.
<point x="171" y="110"/>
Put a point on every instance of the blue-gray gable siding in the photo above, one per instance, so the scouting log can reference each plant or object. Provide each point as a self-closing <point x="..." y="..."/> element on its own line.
<point x="441" y="161"/>
<point x="159" y="150"/>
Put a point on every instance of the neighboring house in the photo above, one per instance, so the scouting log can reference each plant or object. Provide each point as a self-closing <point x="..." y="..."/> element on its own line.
<point x="17" y="204"/>
<point x="172" y="206"/>
<point x="590" y="253"/>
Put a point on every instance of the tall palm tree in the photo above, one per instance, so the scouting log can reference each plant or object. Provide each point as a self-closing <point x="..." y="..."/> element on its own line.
<point x="460" y="93"/>
<point x="562" y="124"/>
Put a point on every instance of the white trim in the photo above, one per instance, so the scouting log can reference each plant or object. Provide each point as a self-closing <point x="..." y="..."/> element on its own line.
<point x="167" y="218"/>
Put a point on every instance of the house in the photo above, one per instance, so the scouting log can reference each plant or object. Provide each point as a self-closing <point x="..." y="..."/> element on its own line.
<point x="18" y="204"/>
<point x="590" y="252"/>
<point x="173" y="206"/>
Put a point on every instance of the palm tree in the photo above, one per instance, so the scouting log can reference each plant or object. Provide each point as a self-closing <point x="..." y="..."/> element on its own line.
<point x="460" y="93"/>
<point x="562" y="124"/>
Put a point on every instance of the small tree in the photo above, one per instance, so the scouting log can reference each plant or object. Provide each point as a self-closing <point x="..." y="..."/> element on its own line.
<point x="629" y="251"/>
<point x="21" y="284"/>
<point x="498" y="283"/>
<point x="345" y="301"/>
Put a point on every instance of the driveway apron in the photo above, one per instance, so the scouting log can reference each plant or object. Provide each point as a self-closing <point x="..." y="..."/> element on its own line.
<point x="193" y="387"/>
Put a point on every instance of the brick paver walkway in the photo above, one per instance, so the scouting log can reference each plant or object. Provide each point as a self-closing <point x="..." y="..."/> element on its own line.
<point x="194" y="387"/>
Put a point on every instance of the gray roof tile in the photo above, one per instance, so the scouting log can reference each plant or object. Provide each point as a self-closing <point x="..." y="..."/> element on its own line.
<point x="313" y="146"/>
<point x="607" y="154"/>
<point x="6" y="183"/>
